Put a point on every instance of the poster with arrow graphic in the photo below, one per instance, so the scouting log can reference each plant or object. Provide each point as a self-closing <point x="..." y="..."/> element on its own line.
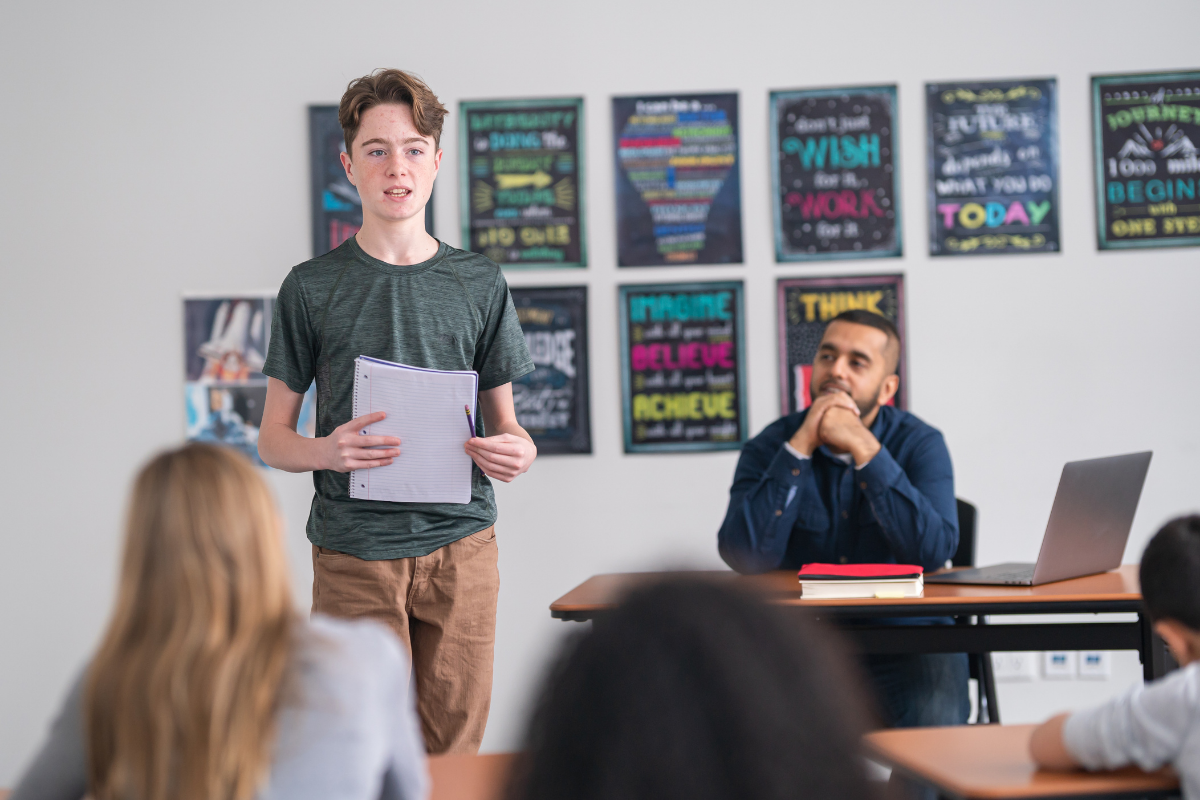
<point x="521" y="181"/>
<point x="1146" y="130"/>
<point x="678" y="191"/>
<point x="993" y="167"/>
<point x="336" y="206"/>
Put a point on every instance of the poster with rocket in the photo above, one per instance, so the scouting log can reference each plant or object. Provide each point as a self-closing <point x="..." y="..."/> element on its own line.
<point x="225" y="346"/>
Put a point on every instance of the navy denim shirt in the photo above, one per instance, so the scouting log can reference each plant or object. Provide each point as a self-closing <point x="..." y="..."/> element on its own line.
<point x="786" y="511"/>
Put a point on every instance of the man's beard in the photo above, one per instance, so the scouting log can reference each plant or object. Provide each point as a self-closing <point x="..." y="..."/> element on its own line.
<point x="865" y="409"/>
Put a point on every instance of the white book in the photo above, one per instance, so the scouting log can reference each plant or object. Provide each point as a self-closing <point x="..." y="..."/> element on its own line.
<point x="426" y="410"/>
<point x="874" y="587"/>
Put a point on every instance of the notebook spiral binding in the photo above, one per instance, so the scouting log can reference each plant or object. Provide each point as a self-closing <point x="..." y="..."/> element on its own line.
<point x="354" y="488"/>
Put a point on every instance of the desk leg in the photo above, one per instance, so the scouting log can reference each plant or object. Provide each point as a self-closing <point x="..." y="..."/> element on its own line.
<point x="1156" y="658"/>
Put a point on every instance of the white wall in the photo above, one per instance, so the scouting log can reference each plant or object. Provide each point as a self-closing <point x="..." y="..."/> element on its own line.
<point x="155" y="148"/>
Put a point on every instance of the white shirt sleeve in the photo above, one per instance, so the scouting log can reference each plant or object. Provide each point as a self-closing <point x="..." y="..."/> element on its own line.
<point x="845" y="457"/>
<point x="1147" y="726"/>
<point x="794" y="451"/>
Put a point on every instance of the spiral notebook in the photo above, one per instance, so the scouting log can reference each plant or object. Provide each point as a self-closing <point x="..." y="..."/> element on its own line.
<point x="426" y="409"/>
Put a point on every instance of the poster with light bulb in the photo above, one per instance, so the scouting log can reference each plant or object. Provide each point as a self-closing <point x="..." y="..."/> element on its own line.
<point x="678" y="189"/>
<point x="225" y="340"/>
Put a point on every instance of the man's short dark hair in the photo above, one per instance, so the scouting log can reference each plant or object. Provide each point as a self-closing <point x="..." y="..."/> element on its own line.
<point x="869" y="318"/>
<point x="1170" y="572"/>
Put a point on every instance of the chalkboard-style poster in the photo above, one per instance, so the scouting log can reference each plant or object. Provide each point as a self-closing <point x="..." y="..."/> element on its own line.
<point x="336" y="206"/>
<point x="993" y="167"/>
<point x="1147" y="164"/>
<point x="521" y="189"/>
<point x="683" y="381"/>
<point x="679" y="198"/>
<point x="834" y="173"/>
<point x="552" y="401"/>
<point x="805" y="307"/>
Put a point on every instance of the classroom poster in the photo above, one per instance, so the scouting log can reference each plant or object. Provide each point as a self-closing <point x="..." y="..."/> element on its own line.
<point x="521" y="187"/>
<point x="678" y="190"/>
<point x="225" y="346"/>
<point x="993" y="167"/>
<point x="836" y="188"/>
<point x="1146" y="128"/>
<point x="552" y="402"/>
<point x="805" y="307"/>
<point x="336" y="206"/>
<point x="683" y="376"/>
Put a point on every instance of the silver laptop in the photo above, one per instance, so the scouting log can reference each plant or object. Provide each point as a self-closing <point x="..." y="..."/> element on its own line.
<point x="1089" y="525"/>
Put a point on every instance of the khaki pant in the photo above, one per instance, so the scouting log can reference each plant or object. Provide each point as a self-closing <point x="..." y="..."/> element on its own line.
<point x="443" y="608"/>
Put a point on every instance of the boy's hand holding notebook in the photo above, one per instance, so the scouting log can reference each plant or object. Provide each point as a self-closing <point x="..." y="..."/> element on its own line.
<point x="425" y="410"/>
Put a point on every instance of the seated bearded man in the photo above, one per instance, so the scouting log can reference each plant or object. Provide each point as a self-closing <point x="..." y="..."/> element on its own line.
<point x="852" y="480"/>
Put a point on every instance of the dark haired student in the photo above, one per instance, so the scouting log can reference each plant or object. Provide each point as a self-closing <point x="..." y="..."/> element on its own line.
<point x="396" y="293"/>
<point x="852" y="480"/>
<point x="1158" y="723"/>
<point x="698" y="691"/>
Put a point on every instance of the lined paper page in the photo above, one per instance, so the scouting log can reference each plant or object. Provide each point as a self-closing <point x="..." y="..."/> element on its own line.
<point x="425" y="410"/>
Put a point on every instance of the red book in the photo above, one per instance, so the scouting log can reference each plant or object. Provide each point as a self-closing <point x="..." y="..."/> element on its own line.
<point x="865" y="572"/>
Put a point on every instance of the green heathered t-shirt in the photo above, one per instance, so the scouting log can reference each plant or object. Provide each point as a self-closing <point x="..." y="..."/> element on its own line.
<point x="452" y="312"/>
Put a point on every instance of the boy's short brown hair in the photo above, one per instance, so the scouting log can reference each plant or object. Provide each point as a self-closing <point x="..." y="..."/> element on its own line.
<point x="390" y="86"/>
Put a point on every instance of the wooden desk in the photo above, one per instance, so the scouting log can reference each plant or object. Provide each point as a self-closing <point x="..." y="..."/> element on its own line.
<point x="991" y="762"/>
<point x="1115" y="591"/>
<point x="480" y="777"/>
<point x="457" y="777"/>
<point x="985" y="761"/>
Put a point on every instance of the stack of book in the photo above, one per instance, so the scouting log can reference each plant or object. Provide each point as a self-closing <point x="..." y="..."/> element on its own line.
<point x="831" y="581"/>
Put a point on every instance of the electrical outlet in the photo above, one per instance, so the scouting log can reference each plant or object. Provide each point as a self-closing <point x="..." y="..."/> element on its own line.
<point x="1014" y="666"/>
<point x="1095" y="665"/>
<point x="1059" y="664"/>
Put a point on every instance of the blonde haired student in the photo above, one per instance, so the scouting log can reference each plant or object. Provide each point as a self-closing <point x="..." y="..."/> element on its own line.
<point x="1158" y="723"/>
<point x="208" y="684"/>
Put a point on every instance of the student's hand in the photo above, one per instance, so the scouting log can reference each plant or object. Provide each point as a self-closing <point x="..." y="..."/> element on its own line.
<point x="346" y="448"/>
<point x="503" y="456"/>
<point x="808" y="437"/>
<point x="1047" y="747"/>
<point x="843" y="430"/>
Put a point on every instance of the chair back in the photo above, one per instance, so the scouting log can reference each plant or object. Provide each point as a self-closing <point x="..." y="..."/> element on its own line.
<point x="965" y="555"/>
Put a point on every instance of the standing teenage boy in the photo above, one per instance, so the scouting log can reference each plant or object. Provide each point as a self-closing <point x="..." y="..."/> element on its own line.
<point x="396" y="293"/>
